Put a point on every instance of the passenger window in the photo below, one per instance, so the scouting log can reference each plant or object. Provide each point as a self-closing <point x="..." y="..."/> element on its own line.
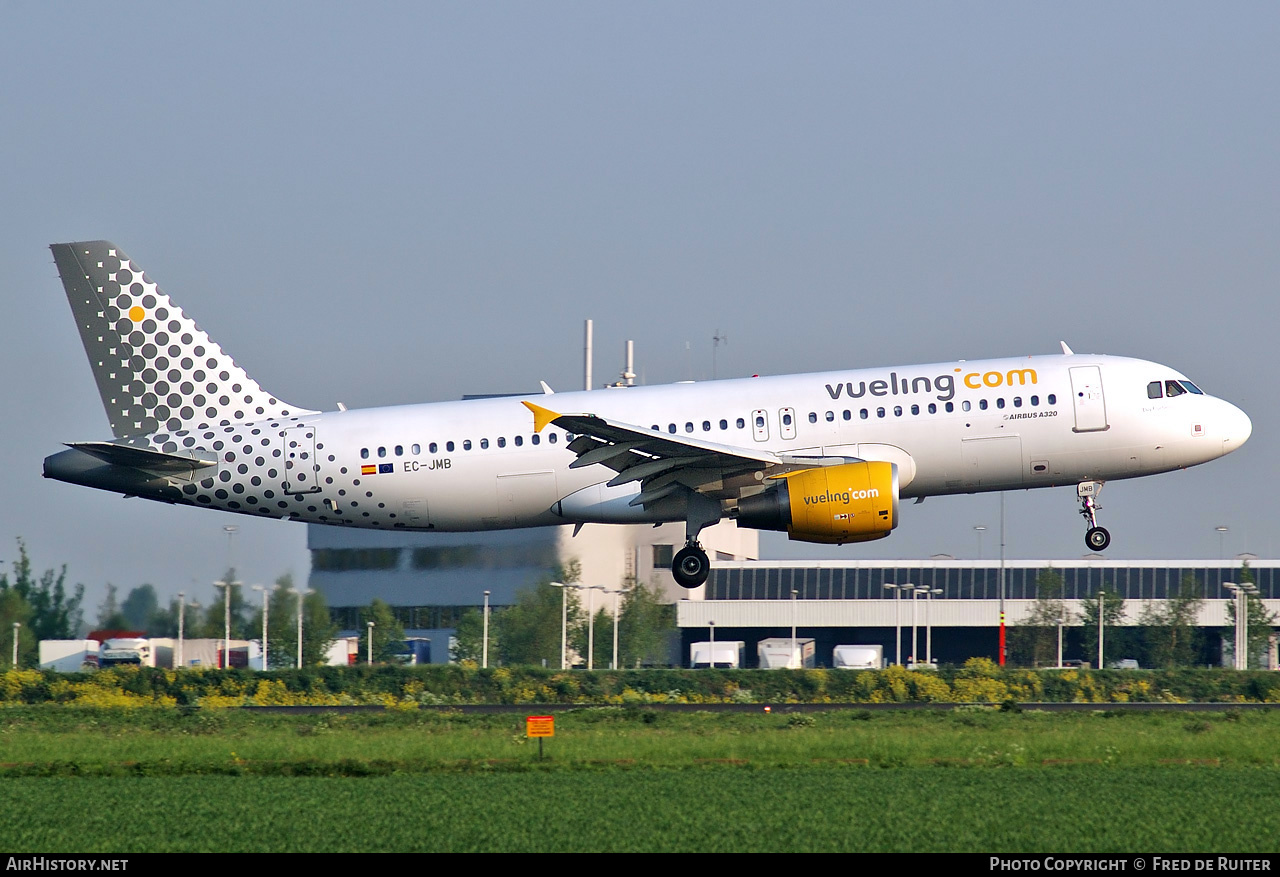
<point x="688" y="427"/>
<point x="951" y="406"/>
<point x="933" y="408"/>
<point x="519" y="440"/>
<point x="813" y="417"/>
<point x="552" y="438"/>
<point x="897" y="410"/>
<point x="382" y="452"/>
<point x="831" y="417"/>
<point x="1017" y="401"/>
<point x="1053" y="399"/>
<point x="759" y="422"/>
<point x="848" y="415"/>
<point x="484" y="444"/>
<point x="964" y="406"/>
<point x="417" y="449"/>
<point x="1154" y="390"/>
<point x="915" y="409"/>
<point x="535" y="438"/>
<point x="502" y="441"/>
<point x="786" y="420"/>
<point x="724" y="424"/>
<point x="982" y="404"/>
<point x="1000" y="402"/>
<point x="671" y="428"/>
<point x="399" y="450"/>
<point x="433" y="447"/>
<point x="706" y="426"/>
<point x="1035" y="401"/>
<point x="466" y="444"/>
<point x="364" y="453"/>
<point x="742" y="424"/>
<point x="863" y="413"/>
<point x="879" y="412"/>
<point x="448" y="446"/>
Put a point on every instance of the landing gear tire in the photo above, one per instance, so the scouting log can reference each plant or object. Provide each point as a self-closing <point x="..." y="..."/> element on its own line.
<point x="1097" y="538"/>
<point x="691" y="567"/>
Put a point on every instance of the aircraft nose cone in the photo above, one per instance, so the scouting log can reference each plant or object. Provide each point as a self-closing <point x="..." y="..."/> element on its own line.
<point x="1237" y="427"/>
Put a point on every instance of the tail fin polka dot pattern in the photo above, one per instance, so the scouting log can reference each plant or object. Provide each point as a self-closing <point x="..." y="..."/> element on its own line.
<point x="156" y="370"/>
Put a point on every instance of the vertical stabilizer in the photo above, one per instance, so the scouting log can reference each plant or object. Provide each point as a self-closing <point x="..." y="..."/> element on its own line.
<point x="156" y="370"/>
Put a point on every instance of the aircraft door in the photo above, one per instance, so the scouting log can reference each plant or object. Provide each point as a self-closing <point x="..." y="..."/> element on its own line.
<point x="760" y="425"/>
<point x="1087" y="399"/>
<point x="787" y="423"/>
<point x="301" y="466"/>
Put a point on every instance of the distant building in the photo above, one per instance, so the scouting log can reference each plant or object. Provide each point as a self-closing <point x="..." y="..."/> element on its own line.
<point x="432" y="578"/>
<point x="847" y="602"/>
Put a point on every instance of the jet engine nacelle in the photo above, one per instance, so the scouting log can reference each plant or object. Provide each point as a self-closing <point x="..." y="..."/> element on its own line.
<point x="852" y="502"/>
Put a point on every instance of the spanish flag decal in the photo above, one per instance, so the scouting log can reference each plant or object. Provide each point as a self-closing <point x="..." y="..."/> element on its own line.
<point x="368" y="470"/>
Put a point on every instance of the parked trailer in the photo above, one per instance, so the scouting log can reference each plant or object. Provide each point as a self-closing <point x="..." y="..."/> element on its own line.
<point x="784" y="653"/>
<point x="728" y="654"/>
<point x="858" y="658"/>
<point x="68" y="655"/>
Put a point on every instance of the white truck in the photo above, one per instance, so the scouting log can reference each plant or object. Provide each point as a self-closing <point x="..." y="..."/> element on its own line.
<point x="777" y="653"/>
<point x="727" y="654"/>
<point x="68" y="655"/>
<point x="858" y="658"/>
<point x="126" y="650"/>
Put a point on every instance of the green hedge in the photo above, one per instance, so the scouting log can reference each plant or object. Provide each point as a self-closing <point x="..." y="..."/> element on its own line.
<point x="979" y="681"/>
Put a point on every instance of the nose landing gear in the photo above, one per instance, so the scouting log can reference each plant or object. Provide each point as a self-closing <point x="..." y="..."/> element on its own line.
<point x="1095" y="538"/>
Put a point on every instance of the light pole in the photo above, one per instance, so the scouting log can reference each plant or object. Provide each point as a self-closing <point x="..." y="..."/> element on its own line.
<point x="711" y="659"/>
<point x="484" y="654"/>
<point x="368" y="652"/>
<point x="564" y="623"/>
<point x="979" y="529"/>
<point x="1101" y="610"/>
<point x="226" y="615"/>
<point x="16" y="625"/>
<point x="182" y="615"/>
<point x="1221" y="531"/>
<point x="794" y="594"/>
<point x="928" y="625"/>
<point x="897" y="618"/>
<point x="266" y="593"/>
<point x="1241" y="591"/>
<point x="301" y="593"/>
<point x="591" y="625"/>
<point x="617" y="601"/>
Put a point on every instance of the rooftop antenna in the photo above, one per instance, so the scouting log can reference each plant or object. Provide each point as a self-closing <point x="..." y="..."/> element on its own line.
<point x="716" y="340"/>
<point x="629" y="370"/>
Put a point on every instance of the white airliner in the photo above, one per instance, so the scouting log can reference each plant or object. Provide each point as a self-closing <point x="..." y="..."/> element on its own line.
<point x="825" y="457"/>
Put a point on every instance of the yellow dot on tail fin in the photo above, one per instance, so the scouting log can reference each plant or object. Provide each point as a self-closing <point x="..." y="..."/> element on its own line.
<point x="136" y="314"/>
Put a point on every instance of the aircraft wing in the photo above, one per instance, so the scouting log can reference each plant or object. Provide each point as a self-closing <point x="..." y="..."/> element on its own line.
<point x="664" y="463"/>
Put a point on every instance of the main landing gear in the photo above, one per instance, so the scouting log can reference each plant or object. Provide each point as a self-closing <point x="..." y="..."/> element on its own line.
<point x="1095" y="538"/>
<point x="691" y="566"/>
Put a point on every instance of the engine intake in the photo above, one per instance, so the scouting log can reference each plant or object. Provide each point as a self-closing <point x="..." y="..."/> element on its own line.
<point x="852" y="502"/>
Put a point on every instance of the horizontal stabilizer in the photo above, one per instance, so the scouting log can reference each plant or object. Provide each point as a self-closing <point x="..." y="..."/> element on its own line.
<point x="142" y="458"/>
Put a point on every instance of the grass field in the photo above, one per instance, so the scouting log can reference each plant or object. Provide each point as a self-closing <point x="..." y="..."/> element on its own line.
<point x="972" y="780"/>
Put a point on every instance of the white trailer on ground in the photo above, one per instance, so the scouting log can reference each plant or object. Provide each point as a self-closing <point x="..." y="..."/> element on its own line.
<point x="784" y="653"/>
<point x="858" y="658"/>
<point x="728" y="654"/>
<point x="68" y="655"/>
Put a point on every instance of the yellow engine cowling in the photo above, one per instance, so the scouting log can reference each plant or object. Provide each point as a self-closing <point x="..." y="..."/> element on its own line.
<point x="852" y="502"/>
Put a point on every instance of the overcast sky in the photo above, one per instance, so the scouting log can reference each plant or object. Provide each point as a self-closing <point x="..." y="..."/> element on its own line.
<point x="385" y="203"/>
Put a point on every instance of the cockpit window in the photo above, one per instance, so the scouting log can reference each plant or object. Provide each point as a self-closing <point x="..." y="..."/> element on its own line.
<point x="1155" y="390"/>
<point x="1173" y="388"/>
<point x="1192" y="388"/>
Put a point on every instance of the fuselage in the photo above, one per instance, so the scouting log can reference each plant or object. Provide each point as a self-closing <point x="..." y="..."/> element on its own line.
<point x="958" y="427"/>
